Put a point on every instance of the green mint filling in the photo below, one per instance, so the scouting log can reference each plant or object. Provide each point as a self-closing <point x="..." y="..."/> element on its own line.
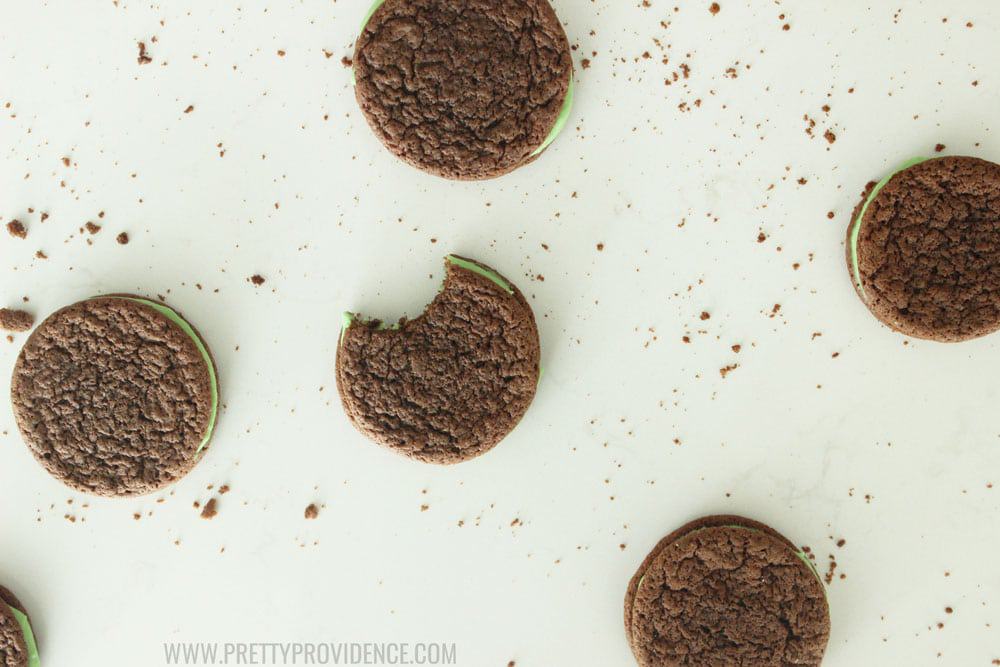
<point x="368" y="16"/>
<point x="563" y="117"/>
<point x="348" y="319"/>
<point x="856" y="225"/>
<point x="486" y="273"/>
<point x="172" y="315"/>
<point x="561" y="120"/>
<point x="29" y="637"/>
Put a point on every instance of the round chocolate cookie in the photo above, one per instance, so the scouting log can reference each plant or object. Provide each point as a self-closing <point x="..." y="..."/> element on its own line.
<point x="116" y="395"/>
<point x="449" y="385"/>
<point x="465" y="89"/>
<point x="923" y="248"/>
<point x="17" y="640"/>
<point x="728" y="592"/>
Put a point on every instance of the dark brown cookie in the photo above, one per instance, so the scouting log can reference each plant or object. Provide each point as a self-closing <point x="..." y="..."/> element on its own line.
<point x="16" y="649"/>
<point x="923" y="249"/>
<point x="116" y="395"/>
<point x="726" y="591"/>
<point x="465" y="89"/>
<point x="449" y="385"/>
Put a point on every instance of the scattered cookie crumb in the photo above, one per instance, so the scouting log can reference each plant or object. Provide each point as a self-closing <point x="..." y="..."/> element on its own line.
<point x="714" y="8"/>
<point x="312" y="511"/>
<point x="15" y="320"/>
<point x="15" y="228"/>
<point x="92" y="228"/>
<point x="143" y="58"/>
<point x="209" y="511"/>
<point x="122" y="239"/>
<point x="257" y="279"/>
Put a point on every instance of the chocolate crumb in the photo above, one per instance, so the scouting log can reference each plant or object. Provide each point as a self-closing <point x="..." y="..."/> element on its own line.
<point x="143" y="58"/>
<point x="939" y="148"/>
<point x="209" y="511"/>
<point x="122" y="238"/>
<point x="345" y="61"/>
<point x="726" y="370"/>
<point x="312" y="511"/>
<point x="257" y="279"/>
<point x="830" y="136"/>
<point x="189" y="109"/>
<point x="714" y="8"/>
<point x="92" y="227"/>
<point x="15" y="228"/>
<point x="15" y="320"/>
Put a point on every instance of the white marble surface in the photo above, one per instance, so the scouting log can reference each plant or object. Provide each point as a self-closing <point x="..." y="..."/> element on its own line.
<point x="892" y="446"/>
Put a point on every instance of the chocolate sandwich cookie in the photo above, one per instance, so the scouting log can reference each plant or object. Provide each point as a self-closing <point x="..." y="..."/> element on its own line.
<point x="923" y="248"/>
<point x="116" y="395"/>
<point x="726" y="591"/>
<point x="17" y="640"/>
<point x="465" y="89"/>
<point x="449" y="385"/>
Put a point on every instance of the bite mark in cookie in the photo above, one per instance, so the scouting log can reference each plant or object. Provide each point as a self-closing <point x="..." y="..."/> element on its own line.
<point x="449" y="385"/>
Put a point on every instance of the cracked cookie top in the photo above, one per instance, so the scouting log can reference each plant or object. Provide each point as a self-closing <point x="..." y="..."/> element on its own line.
<point x="726" y="591"/>
<point x="924" y="249"/>
<point x="465" y="89"/>
<point x="449" y="385"/>
<point x="113" y="397"/>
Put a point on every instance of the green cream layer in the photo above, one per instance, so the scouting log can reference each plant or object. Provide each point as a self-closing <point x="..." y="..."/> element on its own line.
<point x="563" y="117"/>
<point x="561" y="120"/>
<point x="486" y="273"/>
<point x="856" y="224"/>
<point x="347" y="319"/>
<point x="29" y="637"/>
<point x="172" y="315"/>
